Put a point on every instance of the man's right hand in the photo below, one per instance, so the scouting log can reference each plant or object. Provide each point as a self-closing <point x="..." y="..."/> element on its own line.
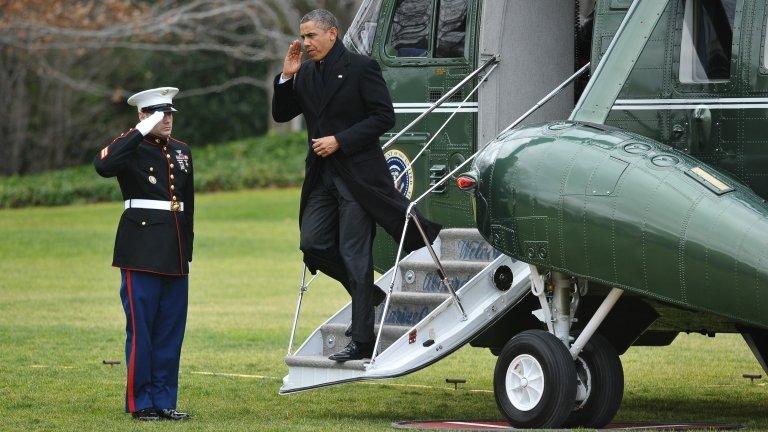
<point x="145" y="126"/>
<point x="292" y="61"/>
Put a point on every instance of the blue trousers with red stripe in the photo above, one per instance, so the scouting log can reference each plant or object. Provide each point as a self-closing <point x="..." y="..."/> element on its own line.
<point x="156" y="315"/>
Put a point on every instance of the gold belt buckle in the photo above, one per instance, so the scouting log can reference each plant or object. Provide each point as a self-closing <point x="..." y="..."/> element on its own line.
<point x="175" y="206"/>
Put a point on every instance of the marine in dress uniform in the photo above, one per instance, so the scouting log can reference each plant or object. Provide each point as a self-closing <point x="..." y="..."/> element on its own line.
<point x="153" y="249"/>
<point x="347" y="188"/>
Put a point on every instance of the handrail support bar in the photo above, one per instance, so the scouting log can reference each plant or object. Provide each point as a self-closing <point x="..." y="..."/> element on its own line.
<point x="302" y="290"/>
<point x="440" y="269"/>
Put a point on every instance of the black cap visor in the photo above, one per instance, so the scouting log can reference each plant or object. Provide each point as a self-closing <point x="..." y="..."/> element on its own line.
<point x="160" y="107"/>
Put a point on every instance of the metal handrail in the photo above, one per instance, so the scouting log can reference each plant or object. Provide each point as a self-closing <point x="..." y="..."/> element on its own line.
<point x="409" y="215"/>
<point x="538" y="105"/>
<point x="439" y="102"/>
<point x="546" y="98"/>
<point x="302" y="289"/>
<point x="444" y="125"/>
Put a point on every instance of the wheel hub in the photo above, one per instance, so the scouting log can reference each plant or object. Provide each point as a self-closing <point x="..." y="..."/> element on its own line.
<point x="525" y="382"/>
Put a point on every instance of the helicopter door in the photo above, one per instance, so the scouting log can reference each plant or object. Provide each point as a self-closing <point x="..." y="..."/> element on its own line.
<point x="705" y="117"/>
<point x="755" y="143"/>
<point x="428" y="47"/>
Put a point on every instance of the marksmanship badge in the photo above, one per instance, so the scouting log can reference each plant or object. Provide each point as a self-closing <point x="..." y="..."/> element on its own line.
<point x="183" y="160"/>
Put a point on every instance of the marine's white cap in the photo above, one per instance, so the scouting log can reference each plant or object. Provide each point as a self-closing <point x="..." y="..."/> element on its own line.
<point x="156" y="99"/>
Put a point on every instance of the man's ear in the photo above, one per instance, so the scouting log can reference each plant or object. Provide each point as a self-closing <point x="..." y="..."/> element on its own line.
<point x="334" y="32"/>
<point x="142" y="115"/>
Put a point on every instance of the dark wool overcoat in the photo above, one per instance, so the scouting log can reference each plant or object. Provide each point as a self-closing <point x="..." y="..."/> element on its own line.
<point x="354" y="106"/>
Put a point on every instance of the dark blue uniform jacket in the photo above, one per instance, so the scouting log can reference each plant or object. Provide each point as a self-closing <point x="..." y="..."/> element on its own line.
<point x="152" y="168"/>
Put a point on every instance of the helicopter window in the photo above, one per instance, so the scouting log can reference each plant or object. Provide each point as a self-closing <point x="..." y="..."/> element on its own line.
<point x="705" y="55"/>
<point x="363" y="27"/>
<point x="451" y="28"/>
<point x="409" y="36"/>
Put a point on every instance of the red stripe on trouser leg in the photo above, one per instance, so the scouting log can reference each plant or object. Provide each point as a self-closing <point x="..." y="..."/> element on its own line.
<point x="132" y="361"/>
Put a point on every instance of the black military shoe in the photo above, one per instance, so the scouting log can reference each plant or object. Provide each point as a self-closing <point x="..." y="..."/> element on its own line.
<point x="353" y="351"/>
<point x="172" y="414"/>
<point x="146" y="414"/>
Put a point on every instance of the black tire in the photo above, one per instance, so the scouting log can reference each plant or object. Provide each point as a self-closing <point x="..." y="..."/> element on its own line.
<point x="607" y="385"/>
<point x="559" y="380"/>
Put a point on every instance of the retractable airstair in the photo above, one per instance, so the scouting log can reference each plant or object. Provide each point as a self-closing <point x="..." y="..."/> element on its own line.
<point x="427" y="316"/>
<point x="423" y="323"/>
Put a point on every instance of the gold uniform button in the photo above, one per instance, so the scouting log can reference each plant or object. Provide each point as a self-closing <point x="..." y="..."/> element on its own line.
<point x="167" y="156"/>
<point x="171" y="176"/>
<point x="173" y="198"/>
<point x="143" y="223"/>
<point x="173" y="187"/>
<point x="171" y="166"/>
<point x="157" y="141"/>
<point x="165" y="148"/>
<point x="151" y="169"/>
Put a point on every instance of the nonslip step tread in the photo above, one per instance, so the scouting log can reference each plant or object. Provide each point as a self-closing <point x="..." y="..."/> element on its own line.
<point x="448" y="265"/>
<point x="417" y="297"/>
<point x="390" y="331"/>
<point x="463" y="233"/>
<point x="324" y="363"/>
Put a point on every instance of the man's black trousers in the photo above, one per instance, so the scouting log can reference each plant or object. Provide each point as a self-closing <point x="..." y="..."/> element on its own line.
<point x="338" y="233"/>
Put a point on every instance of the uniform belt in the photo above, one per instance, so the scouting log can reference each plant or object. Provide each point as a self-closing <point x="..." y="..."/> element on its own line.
<point x="154" y="204"/>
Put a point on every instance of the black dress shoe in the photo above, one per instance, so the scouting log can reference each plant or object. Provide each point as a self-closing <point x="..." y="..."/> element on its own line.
<point x="172" y="414"/>
<point x="146" y="414"/>
<point x="353" y="351"/>
<point x="378" y="295"/>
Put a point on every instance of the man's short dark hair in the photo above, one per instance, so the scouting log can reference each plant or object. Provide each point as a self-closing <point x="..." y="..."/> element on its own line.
<point x="323" y="18"/>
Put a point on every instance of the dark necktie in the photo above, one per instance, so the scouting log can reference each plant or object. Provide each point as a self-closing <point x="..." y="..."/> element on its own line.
<point x="321" y="72"/>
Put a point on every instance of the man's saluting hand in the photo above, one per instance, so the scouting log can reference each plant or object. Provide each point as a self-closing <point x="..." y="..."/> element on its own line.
<point x="292" y="60"/>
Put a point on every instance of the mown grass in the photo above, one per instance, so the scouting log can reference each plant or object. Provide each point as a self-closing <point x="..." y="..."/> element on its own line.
<point x="60" y="316"/>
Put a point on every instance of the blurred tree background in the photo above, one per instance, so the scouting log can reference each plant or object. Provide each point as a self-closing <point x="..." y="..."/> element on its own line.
<point x="68" y="66"/>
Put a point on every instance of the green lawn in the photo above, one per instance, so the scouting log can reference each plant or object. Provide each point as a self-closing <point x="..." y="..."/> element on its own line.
<point x="60" y="316"/>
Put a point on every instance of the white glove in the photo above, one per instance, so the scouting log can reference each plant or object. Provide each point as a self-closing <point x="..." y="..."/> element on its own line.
<point x="145" y="126"/>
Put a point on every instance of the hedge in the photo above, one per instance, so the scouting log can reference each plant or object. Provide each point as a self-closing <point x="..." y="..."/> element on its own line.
<point x="274" y="160"/>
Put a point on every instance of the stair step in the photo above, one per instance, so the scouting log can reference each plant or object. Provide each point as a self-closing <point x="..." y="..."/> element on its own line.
<point x="465" y="244"/>
<point x="334" y="339"/>
<point x="408" y="308"/>
<point x="324" y="363"/>
<point x="463" y="233"/>
<point x="422" y="276"/>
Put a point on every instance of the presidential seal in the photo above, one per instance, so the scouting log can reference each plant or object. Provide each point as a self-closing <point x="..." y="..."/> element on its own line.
<point x="398" y="162"/>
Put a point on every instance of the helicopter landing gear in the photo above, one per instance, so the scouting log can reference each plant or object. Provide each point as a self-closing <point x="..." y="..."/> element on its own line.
<point x="544" y="380"/>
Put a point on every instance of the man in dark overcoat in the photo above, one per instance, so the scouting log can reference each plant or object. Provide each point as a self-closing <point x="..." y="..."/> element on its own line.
<point x="153" y="249"/>
<point x="347" y="188"/>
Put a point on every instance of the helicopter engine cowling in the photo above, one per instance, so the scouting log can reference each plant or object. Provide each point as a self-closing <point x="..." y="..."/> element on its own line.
<point x="626" y="211"/>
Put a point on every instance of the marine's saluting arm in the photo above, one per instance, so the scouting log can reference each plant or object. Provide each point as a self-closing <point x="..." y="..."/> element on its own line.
<point x="112" y="158"/>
